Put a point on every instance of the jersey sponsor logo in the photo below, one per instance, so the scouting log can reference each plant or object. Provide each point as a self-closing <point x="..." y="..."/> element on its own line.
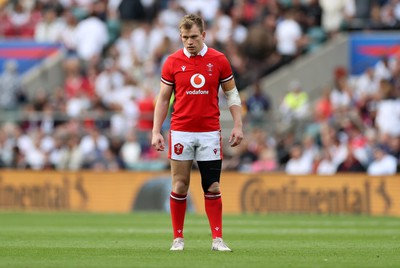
<point x="197" y="80"/>
<point x="178" y="148"/>
<point x="196" y="92"/>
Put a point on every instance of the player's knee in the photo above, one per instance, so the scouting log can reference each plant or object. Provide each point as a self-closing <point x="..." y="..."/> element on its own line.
<point x="210" y="175"/>
<point x="180" y="187"/>
<point x="214" y="188"/>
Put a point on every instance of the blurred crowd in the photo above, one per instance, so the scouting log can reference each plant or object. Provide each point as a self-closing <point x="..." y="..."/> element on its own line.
<point x="100" y="116"/>
<point x="353" y="126"/>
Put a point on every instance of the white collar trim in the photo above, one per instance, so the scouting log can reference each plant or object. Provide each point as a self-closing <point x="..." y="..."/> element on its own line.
<point x="202" y="52"/>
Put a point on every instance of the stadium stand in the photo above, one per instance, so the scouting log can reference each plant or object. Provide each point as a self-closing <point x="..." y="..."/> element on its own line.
<point x="96" y="113"/>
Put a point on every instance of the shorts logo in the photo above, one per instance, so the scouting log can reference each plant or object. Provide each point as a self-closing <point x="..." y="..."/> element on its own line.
<point x="197" y="80"/>
<point x="178" y="148"/>
<point x="215" y="151"/>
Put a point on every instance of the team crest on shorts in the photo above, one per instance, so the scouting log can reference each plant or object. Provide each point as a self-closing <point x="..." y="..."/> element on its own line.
<point x="178" y="148"/>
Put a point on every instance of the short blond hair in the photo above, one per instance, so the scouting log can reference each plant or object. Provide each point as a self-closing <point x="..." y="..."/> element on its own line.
<point x="188" y="21"/>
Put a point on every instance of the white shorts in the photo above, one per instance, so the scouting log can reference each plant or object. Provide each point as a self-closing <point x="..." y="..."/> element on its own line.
<point x="201" y="146"/>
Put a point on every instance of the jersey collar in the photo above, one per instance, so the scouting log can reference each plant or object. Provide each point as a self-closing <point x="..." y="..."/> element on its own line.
<point x="202" y="52"/>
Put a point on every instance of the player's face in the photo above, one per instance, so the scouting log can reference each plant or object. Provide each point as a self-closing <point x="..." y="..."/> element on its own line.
<point x="193" y="39"/>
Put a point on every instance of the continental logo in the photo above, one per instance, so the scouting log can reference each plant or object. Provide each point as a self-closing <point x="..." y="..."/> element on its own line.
<point x="256" y="197"/>
<point x="46" y="195"/>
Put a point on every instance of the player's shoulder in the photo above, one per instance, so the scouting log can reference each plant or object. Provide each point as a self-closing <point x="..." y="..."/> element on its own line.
<point x="216" y="55"/>
<point x="178" y="54"/>
<point x="213" y="52"/>
<point x="173" y="59"/>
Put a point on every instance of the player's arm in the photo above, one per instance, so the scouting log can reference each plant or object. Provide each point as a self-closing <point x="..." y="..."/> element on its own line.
<point x="235" y="107"/>
<point x="160" y="113"/>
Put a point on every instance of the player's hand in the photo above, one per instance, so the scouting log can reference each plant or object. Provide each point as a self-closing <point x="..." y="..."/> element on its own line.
<point x="158" y="142"/>
<point x="236" y="136"/>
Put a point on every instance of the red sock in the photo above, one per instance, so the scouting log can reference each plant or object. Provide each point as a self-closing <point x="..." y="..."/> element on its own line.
<point x="213" y="206"/>
<point x="177" y="204"/>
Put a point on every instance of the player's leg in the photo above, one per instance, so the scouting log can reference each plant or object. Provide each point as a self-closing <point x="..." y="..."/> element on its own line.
<point x="210" y="176"/>
<point x="180" y="184"/>
<point x="181" y="154"/>
<point x="209" y="160"/>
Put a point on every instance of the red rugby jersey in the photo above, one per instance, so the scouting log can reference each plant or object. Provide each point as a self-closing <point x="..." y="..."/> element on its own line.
<point x="196" y="81"/>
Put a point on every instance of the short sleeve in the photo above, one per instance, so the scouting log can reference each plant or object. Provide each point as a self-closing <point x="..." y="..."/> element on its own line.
<point x="167" y="76"/>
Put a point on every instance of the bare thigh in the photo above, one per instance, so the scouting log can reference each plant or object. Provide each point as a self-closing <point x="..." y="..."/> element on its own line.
<point x="180" y="171"/>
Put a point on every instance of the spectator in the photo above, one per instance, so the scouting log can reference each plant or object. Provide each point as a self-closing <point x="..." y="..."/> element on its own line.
<point x="107" y="161"/>
<point x="5" y="149"/>
<point x="169" y="18"/>
<point x="54" y="153"/>
<point x="257" y="105"/>
<point x="350" y="164"/>
<point x="19" y="160"/>
<point x="310" y="148"/>
<point x="92" y="146"/>
<point x="323" y="109"/>
<point x="335" y="13"/>
<point x="109" y="78"/>
<point x="71" y="156"/>
<point x="77" y="105"/>
<point x="18" y="21"/>
<point x="366" y="87"/>
<point x="341" y="97"/>
<point x="283" y="147"/>
<point x="295" y="104"/>
<point x="206" y="8"/>
<point x="289" y="36"/>
<point x="383" y="164"/>
<point x="298" y="164"/>
<point x="145" y="40"/>
<point x="131" y="151"/>
<point x="393" y="147"/>
<point x="11" y="93"/>
<point x="326" y="165"/>
<point x="313" y="13"/>
<point x="124" y="49"/>
<point x="91" y="38"/>
<point x="257" y="47"/>
<point x="50" y="28"/>
<point x="146" y="106"/>
<point x="382" y="70"/>
<point x="294" y="109"/>
<point x="68" y="35"/>
<point x="387" y="118"/>
<point x="266" y="161"/>
<point x="337" y="148"/>
<point x="123" y="102"/>
<point x="388" y="15"/>
<point x="36" y="158"/>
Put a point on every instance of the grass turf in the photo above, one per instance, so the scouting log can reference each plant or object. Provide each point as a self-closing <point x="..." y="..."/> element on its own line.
<point x="143" y="240"/>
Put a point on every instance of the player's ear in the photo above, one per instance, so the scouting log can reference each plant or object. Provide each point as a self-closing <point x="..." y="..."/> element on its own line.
<point x="203" y="35"/>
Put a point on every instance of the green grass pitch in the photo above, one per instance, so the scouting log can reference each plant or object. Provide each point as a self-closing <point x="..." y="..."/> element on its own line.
<point x="143" y="240"/>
